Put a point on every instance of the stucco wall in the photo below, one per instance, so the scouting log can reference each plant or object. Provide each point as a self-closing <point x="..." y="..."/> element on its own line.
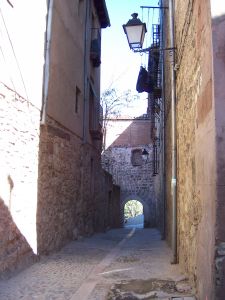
<point x="71" y="67"/>
<point x="196" y="174"/>
<point x="22" y="47"/>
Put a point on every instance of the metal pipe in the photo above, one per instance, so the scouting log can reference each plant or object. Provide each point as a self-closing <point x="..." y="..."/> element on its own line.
<point x="47" y="61"/>
<point x="163" y="178"/>
<point x="173" y="136"/>
<point x="86" y="82"/>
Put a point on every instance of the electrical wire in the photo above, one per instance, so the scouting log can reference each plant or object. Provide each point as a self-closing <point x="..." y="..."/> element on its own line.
<point x="5" y="61"/>
<point x="13" y="50"/>
<point x="10" y="77"/>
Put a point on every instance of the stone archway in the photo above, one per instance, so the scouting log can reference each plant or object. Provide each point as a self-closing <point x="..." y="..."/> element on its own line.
<point x="146" y="209"/>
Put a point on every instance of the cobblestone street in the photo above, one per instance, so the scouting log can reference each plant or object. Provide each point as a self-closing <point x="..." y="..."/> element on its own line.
<point x="120" y="264"/>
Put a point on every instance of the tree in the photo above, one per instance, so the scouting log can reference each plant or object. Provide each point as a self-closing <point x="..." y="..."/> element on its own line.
<point x="132" y="209"/>
<point x="112" y="103"/>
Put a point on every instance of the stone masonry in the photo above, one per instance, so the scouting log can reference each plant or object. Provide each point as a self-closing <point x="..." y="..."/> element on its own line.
<point x="70" y="205"/>
<point x="135" y="181"/>
<point x="196" y="163"/>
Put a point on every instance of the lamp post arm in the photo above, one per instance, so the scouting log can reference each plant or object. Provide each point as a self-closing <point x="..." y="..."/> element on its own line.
<point x="159" y="7"/>
<point x="150" y="49"/>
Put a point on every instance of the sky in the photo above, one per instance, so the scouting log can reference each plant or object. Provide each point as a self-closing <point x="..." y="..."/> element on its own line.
<point x="120" y="66"/>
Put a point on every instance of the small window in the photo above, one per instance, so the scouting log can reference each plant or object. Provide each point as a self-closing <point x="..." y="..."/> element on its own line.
<point x="136" y="157"/>
<point x="91" y="110"/>
<point x="77" y="100"/>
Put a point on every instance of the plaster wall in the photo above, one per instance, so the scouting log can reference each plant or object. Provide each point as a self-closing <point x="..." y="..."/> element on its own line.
<point x="70" y="65"/>
<point x="129" y="132"/>
<point x="22" y="47"/>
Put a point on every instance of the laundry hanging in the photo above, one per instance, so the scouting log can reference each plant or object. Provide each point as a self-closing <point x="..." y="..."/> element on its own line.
<point x="143" y="82"/>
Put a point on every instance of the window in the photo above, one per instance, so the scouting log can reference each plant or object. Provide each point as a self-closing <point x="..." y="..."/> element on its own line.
<point x="77" y="100"/>
<point x="91" y="110"/>
<point x="136" y="157"/>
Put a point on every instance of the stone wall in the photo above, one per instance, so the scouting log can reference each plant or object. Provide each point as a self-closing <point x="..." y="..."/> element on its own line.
<point x="73" y="194"/>
<point x="195" y="144"/>
<point x="112" y="215"/>
<point x="19" y="139"/>
<point x="218" y="27"/>
<point x="136" y="182"/>
<point x="125" y="135"/>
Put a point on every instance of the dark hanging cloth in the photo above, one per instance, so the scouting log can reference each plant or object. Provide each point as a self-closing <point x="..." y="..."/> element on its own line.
<point x="143" y="82"/>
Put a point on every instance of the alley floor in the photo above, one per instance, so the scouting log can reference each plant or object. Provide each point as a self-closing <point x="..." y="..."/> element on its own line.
<point x="122" y="264"/>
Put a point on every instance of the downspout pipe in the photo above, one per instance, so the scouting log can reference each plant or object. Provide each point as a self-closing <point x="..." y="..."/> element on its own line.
<point x="173" y="135"/>
<point x="85" y="75"/>
<point x="163" y="179"/>
<point x="47" y="61"/>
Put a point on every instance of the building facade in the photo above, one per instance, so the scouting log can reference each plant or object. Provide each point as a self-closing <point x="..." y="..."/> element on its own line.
<point x="199" y="73"/>
<point x="52" y="186"/>
<point x="126" y="139"/>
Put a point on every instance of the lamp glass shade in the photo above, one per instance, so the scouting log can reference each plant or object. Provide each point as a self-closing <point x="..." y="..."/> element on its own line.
<point x="135" y="31"/>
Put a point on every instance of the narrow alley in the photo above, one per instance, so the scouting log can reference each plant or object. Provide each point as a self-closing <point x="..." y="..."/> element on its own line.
<point x="103" y="266"/>
<point x="112" y="138"/>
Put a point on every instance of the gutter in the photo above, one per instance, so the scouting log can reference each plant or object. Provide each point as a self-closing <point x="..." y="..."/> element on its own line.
<point x="173" y="136"/>
<point x="47" y="62"/>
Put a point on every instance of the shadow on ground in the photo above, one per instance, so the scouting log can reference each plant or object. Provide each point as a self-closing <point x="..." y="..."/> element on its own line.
<point x="150" y="289"/>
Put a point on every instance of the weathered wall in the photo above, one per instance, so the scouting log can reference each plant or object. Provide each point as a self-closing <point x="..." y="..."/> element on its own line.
<point x="19" y="139"/>
<point x="72" y="198"/>
<point x="73" y="188"/>
<point x="52" y="183"/>
<point x="218" y="27"/>
<point x="112" y="213"/>
<point x="195" y="144"/>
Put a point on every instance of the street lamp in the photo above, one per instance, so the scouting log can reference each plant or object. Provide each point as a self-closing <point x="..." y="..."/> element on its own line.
<point x="135" y="31"/>
<point x="145" y="155"/>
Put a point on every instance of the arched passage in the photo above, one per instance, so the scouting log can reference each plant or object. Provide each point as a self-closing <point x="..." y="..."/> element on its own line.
<point x="133" y="214"/>
<point x="146" y="209"/>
